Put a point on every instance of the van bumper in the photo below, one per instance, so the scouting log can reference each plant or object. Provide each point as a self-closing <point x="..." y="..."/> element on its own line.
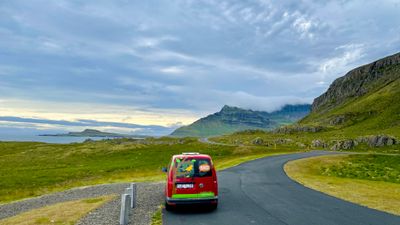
<point x="190" y="201"/>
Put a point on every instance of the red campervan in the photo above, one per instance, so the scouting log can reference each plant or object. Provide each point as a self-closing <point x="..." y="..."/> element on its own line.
<point x="191" y="180"/>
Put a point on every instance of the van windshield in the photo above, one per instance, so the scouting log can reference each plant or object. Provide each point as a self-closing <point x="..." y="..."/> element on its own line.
<point x="192" y="167"/>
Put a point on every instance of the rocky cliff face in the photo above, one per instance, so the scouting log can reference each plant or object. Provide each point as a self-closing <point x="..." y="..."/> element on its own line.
<point x="231" y="119"/>
<point x="237" y="116"/>
<point x="358" y="82"/>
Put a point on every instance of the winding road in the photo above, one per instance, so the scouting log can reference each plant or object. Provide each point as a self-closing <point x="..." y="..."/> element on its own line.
<point x="259" y="192"/>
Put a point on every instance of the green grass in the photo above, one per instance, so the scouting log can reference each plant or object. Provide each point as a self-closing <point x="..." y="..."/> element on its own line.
<point x="30" y="169"/>
<point x="156" y="219"/>
<point x="369" y="167"/>
<point x="363" y="179"/>
<point x="378" y="110"/>
<point x="303" y="140"/>
<point x="64" y="213"/>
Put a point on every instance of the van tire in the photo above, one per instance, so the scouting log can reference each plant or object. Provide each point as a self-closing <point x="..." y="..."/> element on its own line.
<point x="213" y="207"/>
<point x="168" y="207"/>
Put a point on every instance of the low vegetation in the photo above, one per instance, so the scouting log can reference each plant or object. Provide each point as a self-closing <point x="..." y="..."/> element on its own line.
<point x="65" y="213"/>
<point x="369" y="180"/>
<point x="156" y="219"/>
<point x="30" y="169"/>
<point x="367" y="167"/>
<point x="306" y="140"/>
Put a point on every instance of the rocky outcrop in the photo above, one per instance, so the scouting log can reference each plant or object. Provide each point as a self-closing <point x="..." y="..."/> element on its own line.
<point x="295" y="129"/>
<point x="350" y="116"/>
<point x="356" y="83"/>
<point x="378" y="140"/>
<point x="319" y="144"/>
<point x="373" y="141"/>
<point x="344" y="145"/>
<point x="257" y="141"/>
<point x="281" y="141"/>
<point x="338" y="120"/>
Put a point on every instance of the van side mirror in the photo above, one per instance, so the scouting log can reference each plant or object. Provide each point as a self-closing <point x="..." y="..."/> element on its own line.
<point x="164" y="169"/>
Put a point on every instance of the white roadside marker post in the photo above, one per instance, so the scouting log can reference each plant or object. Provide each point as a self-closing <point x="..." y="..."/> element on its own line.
<point x="133" y="195"/>
<point x="124" y="215"/>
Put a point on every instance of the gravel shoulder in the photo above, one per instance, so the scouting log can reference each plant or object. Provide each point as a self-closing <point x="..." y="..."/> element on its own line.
<point x="149" y="197"/>
<point x="14" y="208"/>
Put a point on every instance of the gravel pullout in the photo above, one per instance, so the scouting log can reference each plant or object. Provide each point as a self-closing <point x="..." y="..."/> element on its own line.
<point x="149" y="197"/>
<point x="12" y="209"/>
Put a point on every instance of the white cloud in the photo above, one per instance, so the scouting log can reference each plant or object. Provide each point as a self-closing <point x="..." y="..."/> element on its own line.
<point x="350" y="54"/>
<point x="151" y="42"/>
<point x="303" y="26"/>
<point x="132" y="57"/>
<point x="270" y="103"/>
<point x="100" y="112"/>
<point x="172" y="70"/>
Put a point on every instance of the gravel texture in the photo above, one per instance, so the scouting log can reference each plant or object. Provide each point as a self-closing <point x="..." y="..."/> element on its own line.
<point x="107" y="214"/>
<point x="149" y="198"/>
<point x="12" y="209"/>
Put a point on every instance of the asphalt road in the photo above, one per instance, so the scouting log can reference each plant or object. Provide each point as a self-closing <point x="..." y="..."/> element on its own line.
<point x="259" y="192"/>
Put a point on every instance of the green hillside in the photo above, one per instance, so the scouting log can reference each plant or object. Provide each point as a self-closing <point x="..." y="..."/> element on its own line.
<point x="359" y="111"/>
<point x="366" y="100"/>
<point x="233" y="119"/>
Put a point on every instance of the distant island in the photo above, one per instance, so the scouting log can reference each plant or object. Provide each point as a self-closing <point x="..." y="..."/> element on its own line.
<point x="93" y="133"/>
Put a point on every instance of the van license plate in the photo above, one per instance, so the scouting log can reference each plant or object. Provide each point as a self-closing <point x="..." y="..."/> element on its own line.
<point x="184" y="186"/>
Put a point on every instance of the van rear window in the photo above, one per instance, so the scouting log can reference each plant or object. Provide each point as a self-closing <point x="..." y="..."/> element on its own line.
<point x="192" y="167"/>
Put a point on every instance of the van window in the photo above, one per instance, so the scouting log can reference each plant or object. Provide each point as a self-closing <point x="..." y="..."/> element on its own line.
<point x="204" y="168"/>
<point x="184" y="168"/>
<point x="192" y="167"/>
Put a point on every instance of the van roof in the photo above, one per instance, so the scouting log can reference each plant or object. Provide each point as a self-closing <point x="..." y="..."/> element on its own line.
<point x="195" y="155"/>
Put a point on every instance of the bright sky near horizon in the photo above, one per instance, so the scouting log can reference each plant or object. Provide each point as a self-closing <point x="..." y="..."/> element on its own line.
<point x="170" y="62"/>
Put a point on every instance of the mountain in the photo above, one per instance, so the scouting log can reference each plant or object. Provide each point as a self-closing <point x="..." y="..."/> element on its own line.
<point x="90" y="133"/>
<point x="231" y="119"/>
<point x="365" y="100"/>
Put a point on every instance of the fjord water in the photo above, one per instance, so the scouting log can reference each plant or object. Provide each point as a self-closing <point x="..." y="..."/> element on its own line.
<point x="47" y="139"/>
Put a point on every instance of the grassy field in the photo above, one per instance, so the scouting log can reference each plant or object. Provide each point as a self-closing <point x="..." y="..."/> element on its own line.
<point x="65" y="213"/>
<point x="369" y="180"/>
<point x="32" y="169"/>
<point x="303" y="140"/>
<point x="367" y="167"/>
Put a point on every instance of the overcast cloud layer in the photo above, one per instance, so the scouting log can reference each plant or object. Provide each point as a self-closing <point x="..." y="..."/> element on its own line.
<point x="170" y="62"/>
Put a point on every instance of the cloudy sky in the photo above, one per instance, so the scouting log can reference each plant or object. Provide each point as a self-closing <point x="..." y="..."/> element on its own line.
<point x="169" y="62"/>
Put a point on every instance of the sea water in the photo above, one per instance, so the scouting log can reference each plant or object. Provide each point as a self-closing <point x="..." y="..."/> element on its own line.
<point x="47" y="139"/>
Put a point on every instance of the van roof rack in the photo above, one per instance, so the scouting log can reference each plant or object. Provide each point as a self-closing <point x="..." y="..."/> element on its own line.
<point x="190" y="153"/>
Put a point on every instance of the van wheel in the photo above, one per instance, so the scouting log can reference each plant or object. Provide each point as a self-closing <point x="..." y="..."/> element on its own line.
<point x="168" y="207"/>
<point x="213" y="207"/>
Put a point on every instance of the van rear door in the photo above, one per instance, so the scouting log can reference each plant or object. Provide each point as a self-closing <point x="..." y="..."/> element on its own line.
<point x="184" y="178"/>
<point x="204" y="178"/>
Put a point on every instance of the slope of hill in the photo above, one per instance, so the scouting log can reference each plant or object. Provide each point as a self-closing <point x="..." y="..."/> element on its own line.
<point x="232" y="119"/>
<point x="366" y="99"/>
<point x="359" y="111"/>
